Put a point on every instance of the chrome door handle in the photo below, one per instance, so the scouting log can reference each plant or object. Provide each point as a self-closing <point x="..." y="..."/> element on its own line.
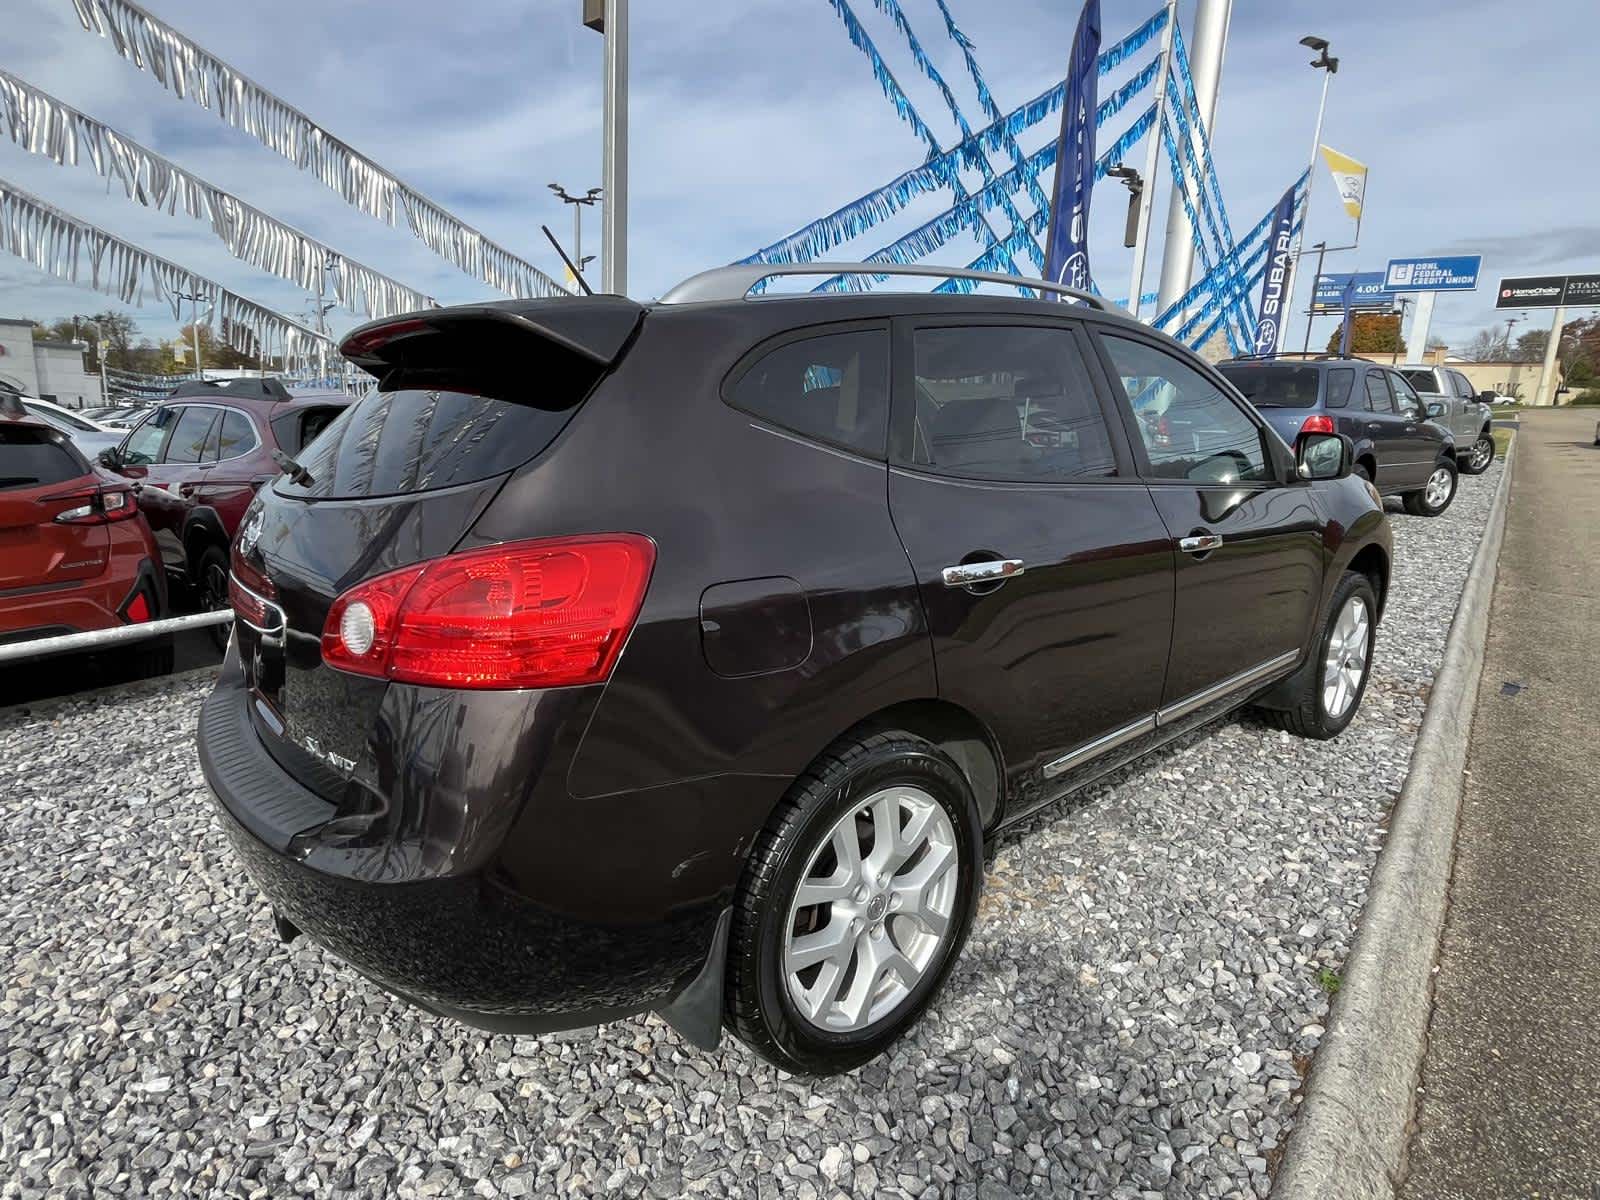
<point x="996" y="570"/>
<point x="1200" y="544"/>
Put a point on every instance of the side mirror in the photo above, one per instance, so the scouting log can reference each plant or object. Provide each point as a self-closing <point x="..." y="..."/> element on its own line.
<point x="110" y="458"/>
<point x="1323" y="456"/>
<point x="1436" y="409"/>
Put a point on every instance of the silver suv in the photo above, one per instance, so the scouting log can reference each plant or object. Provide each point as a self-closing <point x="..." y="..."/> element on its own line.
<point x="1451" y="402"/>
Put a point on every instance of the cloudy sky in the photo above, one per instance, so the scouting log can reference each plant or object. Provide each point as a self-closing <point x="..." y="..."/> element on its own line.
<point x="751" y="117"/>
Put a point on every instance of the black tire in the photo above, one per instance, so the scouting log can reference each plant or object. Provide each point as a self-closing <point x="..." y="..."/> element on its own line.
<point x="1417" y="503"/>
<point x="759" y="1008"/>
<point x="211" y="590"/>
<point x="1478" y="456"/>
<point x="1360" y="472"/>
<point x="1309" y="716"/>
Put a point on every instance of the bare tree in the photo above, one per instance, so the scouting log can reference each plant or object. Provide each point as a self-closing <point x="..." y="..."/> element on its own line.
<point x="1487" y="345"/>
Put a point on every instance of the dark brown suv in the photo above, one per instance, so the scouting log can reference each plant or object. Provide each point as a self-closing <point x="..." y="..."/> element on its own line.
<point x="615" y="657"/>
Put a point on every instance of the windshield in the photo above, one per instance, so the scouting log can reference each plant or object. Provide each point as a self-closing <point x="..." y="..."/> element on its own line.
<point x="1274" y="385"/>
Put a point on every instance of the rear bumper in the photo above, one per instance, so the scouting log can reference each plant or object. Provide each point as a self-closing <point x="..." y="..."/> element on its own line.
<point x="85" y="606"/>
<point x="473" y="945"/>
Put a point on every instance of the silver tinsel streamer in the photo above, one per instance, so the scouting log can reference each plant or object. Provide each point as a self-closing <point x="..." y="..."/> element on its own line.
<point x="44" y="125"/>
<point x="78" y="252"/>
<point x="187" y="70"/>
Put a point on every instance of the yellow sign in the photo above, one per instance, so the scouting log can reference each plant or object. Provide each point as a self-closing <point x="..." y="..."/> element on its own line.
<point x="1350" y="177"/>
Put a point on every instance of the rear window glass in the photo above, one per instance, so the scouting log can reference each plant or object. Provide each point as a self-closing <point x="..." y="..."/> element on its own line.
<point x="833" y="388"/>
<point x="1274" y="385"/>
<point x="299" y="427"/>
<point x="31" y="457"/>
<point x="1423" y="381"/>
<point x="235" y="436"/>
<point x="1340" y="381"/>
<point x="419" y="439"/>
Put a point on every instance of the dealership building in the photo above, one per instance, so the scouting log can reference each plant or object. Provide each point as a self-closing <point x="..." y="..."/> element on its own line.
<point x="49" y="370"/>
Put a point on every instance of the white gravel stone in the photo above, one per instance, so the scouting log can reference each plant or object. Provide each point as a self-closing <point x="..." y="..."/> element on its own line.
<point x="1131" y="1016"/>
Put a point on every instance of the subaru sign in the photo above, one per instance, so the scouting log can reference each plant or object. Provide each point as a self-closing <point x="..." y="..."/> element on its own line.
<point x="1458" y="274"/>
<point x="1368" y="293"/>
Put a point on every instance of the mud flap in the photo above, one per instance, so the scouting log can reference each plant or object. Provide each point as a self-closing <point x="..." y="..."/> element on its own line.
<point x="696" y="1012"/>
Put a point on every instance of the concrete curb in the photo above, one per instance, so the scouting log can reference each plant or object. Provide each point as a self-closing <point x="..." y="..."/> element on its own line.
<point x="1350" y="1136"/>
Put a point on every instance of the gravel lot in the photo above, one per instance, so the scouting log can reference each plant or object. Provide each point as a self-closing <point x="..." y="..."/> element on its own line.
<point x="1132" y="1016"/>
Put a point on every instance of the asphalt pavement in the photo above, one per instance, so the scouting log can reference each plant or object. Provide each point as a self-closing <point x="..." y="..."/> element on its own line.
<point x="1510" y="1096"/>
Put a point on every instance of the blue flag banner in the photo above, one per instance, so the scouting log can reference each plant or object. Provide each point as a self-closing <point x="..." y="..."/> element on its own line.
<point x="1066" y="255"/>
<point x="1271" y="316"/>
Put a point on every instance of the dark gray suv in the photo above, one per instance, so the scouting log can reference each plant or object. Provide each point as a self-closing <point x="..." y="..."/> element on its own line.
<point x="1397" y="447"/>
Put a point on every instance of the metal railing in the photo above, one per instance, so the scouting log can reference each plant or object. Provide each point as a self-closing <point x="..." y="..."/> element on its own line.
<point x="99" y="639"/>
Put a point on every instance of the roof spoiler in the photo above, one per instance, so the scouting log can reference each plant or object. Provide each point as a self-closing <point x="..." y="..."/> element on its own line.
<point x="590" y="333"/>
<point x="259" y="388"/>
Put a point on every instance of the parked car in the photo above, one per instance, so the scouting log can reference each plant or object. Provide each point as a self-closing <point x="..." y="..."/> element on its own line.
<point x="123" y="416"/>
<point x="1397" y="448"/>
<point x="197" y="460"/>
<point x="1450" y="399"/>
<point x="684" y="657"/>
<point x="75" y="554"/>
<point x="89" y="436"/>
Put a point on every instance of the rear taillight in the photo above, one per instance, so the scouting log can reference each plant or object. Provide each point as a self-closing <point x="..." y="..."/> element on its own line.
<point x="98" y="508"/>
<point x="1317" y="423"/>
<point x="249" y="591"/>
<point x="554" y="612"/>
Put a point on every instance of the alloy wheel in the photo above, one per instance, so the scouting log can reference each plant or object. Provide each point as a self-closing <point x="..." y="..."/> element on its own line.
<point x="872" y="910"/>
<point x="214" y="589"/>
<point x="1482" y="450"/>
<point x="1437" y="490"/>
<point x="1345" y="663"/>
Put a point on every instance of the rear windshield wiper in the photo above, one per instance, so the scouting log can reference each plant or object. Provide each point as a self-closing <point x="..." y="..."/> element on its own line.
<point x="295" y="472"/>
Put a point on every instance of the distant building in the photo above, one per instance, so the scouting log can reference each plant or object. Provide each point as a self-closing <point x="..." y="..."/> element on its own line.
<point x="49" y="370"/>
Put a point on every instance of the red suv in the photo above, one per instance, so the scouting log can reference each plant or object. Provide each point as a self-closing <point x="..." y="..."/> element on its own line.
<point x="197" y="460"/>
<point x="74" y="554"/>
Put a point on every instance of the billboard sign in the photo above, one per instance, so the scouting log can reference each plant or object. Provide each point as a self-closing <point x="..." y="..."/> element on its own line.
<point x="1457" y="274"/>
<point x="1531" y="291"/>
<point x="1369" y="293"/>
<point x="1583" y="290"/>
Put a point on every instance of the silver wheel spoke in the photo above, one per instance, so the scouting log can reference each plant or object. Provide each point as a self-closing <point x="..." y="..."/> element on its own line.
<point x="1345" y="664"/>
<point x="831" y="943"/>
<point x="825" y="990"/>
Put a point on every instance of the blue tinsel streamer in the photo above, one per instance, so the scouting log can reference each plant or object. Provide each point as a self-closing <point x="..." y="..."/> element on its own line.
<point x="1230" y="282"/>
<point x="1200" y="127"/>
<point x="1181" y="189"/>
<point x="1248" y="285"/>
<point x="815" y="239"/>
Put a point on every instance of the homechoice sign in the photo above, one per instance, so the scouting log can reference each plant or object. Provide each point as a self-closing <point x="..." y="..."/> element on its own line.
<point x="1548" y="291"/>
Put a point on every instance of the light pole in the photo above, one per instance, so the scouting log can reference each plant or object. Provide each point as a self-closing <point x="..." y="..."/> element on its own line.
<point x="1146" y="194"/>
<point x="194" y="325"/>
<point x="100" y="352"/>
<point x="588" y="200"/>
<point x="1330" y="67"/>
<point x="609" y="18"/>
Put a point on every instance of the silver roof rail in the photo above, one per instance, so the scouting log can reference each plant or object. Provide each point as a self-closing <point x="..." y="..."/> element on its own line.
<point x="735" y="282"/>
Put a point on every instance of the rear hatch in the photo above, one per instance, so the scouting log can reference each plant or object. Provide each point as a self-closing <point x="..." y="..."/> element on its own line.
<point x="466" y="396"/>
<point x="1283" y="393"/>
<point x="42" y="481"/>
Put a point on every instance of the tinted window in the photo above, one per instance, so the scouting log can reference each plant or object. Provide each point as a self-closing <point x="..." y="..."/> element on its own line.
<point x="189" y="438"/>
<point x="144" y="443"/>
<point x="833" y="388"/>
<point x="236" y="437"/>
<point x="1340" y="381"/>
<point x="299" y="427"/>
<point x="1378" y="398"/>
<point x="1007" y="402"/>
<point x="1423" y="381"/>
<point x="417" y="439"/>
<point x="1191" y="429"/>
<point x="1274" y="385"/>
<point x="31" y="457"/>
<point x="1406" y="400"/>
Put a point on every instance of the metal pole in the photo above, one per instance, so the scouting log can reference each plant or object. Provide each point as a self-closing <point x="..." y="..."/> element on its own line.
<point x="614" y="150"/>
<point x="1311" y="179"/>
<point x="98" y="638"/>
<point x="1322" y="252"/>
<point x="1547" y="373"/>
<point x="194" y="330"/>
<point x="1211" y="19"/>
<point x="577" y="238"/>
<point x="1152" y="153"/>
<point x="1421" y="318"/>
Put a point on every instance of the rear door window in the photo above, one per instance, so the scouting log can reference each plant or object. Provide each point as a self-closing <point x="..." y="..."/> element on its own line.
<point x="415" y="439"/>
<point x="1423" y="381"/>
<point x="188" y="441"/>
<point x="1378" y="398"/>
<point x="236" y="437"/>
<point x="1340" y="382"/>
<point x="33" y="457"/>
<point x="1007" y="403"/>
<point x="1463" y="385"/>
<point x="831" y="388"/>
